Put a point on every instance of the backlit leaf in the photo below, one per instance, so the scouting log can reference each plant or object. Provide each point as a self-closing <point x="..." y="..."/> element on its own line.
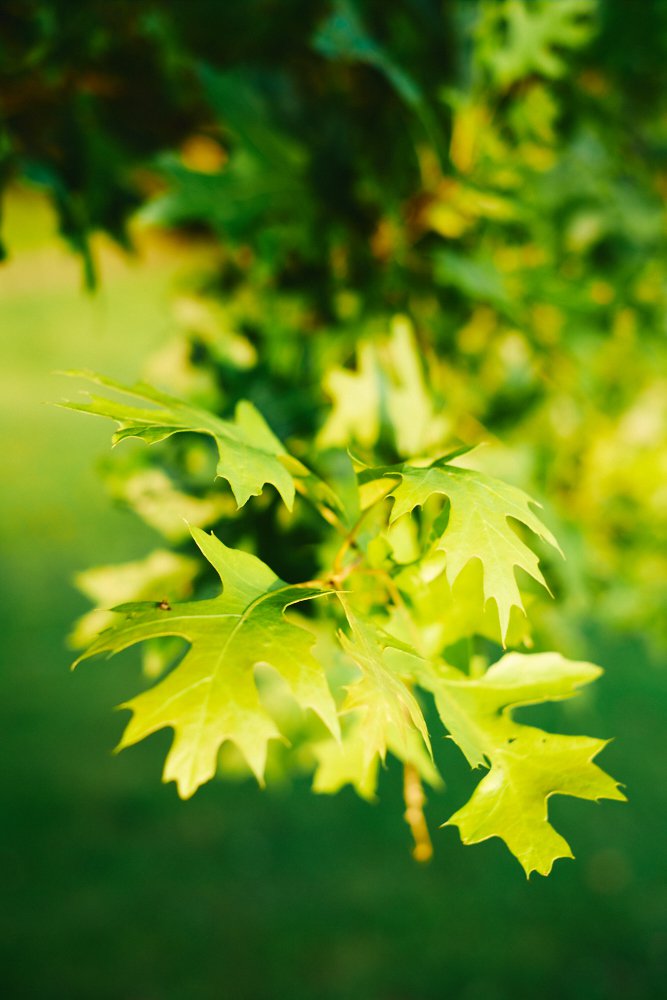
<point x="526" y="765"/>
<point x="212" y="695"/>
<point x="478" y="527"/>
<point x="250" y="455"/>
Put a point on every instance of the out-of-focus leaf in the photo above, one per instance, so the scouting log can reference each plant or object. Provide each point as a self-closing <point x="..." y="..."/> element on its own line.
<point x="387" y="396"/>
<point x="518" y="38"/>
<point x="343" y="36"/>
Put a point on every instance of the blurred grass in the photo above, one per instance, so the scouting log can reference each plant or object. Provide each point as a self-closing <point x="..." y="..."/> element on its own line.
<point x="114" y="889"/>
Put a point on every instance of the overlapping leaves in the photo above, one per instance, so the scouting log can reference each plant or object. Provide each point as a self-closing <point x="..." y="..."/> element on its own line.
<point x="214" y="694"/>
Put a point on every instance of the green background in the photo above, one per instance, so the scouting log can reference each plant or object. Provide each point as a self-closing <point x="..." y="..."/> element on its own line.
<point x="113" y="888"/>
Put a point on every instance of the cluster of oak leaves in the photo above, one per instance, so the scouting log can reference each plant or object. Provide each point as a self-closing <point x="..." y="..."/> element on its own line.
<point x="528" y="256"/>
<point x="423" y="555"/>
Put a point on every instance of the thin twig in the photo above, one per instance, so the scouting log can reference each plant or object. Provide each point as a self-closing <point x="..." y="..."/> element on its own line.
<point x="413" y="794"/>
<point x="351" y="535"/>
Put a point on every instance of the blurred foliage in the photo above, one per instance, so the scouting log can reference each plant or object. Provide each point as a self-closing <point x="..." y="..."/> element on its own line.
<point x="429" y="222"/>
<point x="495" y="171"/>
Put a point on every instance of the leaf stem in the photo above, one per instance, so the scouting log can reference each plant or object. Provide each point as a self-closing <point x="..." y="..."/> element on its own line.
<point x="351" y="535"/>
<point x="348" y="541"/>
